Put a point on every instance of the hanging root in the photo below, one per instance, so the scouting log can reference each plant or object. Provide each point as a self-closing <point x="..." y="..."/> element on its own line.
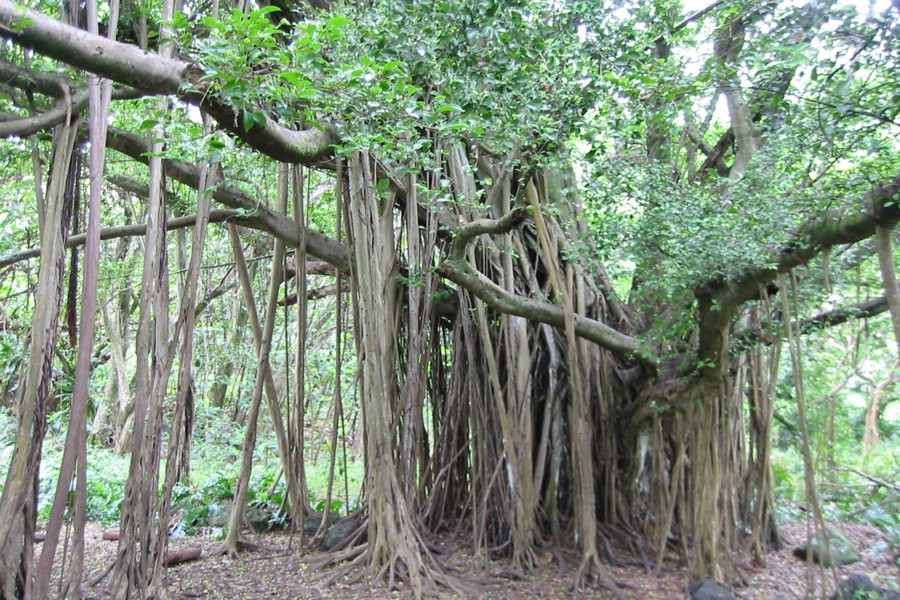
<point x="337" y="557"/>
<point x="426" y="577"/>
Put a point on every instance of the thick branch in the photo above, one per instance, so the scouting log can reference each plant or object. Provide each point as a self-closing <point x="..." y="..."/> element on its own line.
<point x="313" y="267"/>
<point x="838" y="316"/>
<point x="14" y="125"/>
<point x="728" y="46"/>
<point x="318" y="244"/>
<point x="461" y="273"/>
<point x="458" y="270"/>
<point x="713" y="154"/>
<point x="317" y="293"/>
<point x="470" y="231"/>
<point x="889" y="277"/>
<point x="57" y="85"/>
<point x="718" y="300"/>
<point x="810" y="20"/>
<point x="881" y="206"/>
<point x="152" y="73"/>
<point x="71" y="99"/>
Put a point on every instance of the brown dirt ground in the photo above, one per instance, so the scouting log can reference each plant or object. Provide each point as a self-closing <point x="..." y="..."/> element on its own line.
<point x="279" y="570"/>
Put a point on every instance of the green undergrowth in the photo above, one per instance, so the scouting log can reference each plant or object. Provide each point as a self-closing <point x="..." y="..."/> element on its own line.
<point x="856" y="488"/>
<point x="215" y="465"/>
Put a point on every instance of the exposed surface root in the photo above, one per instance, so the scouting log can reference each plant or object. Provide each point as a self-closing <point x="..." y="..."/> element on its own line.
<point x="352" y="566"/>
<point x="590" y="567"/>
<point x="241" y="546"/>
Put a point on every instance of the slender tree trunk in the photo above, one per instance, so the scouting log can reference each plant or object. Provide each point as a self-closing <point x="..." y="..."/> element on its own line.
<point x="871" y="435"/>
<point x="297" y="413"/>
<point x="889" y="278"/>
<point x="222" y="381"/>
<point x="395" y="547"/>
<point x="76" y="437"/>
<point x="264" y="337"/>
<point x="17" y="502"/>
<point x="182" y="422"/>
<point x="133" y="564"/>
<point x="116" y="324"/>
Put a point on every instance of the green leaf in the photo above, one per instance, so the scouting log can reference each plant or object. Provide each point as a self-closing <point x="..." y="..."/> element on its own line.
<point x="309" y="93"/>
<point x="252" y="118"/>
<point x="265" y="10"/>
<point x="293" y="78"/>
<point x="334" y="24"/>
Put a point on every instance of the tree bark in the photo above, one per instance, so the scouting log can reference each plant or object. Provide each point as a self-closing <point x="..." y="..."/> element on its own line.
<point x="233" y="538"/>
<point x="158" y="75"/>
<point x="76" y="436"/>
<point x="133" y="569"/>
<point x="871" y="435"/>
<point x="18" y="501"/>
<point x="889" y="277"/>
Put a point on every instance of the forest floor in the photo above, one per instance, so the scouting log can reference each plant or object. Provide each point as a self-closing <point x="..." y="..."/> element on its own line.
<point x="279" y="570"/>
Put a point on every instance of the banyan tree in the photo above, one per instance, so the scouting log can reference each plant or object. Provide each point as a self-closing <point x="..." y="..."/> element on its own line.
<point x="569" y="234"/>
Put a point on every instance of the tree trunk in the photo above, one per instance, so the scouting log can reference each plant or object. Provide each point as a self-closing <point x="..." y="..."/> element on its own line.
<point x="178" y="458"/>
<point x="297" y="412"/>
<point x="263" y="374"/>
<point x="76" y="436"/>
<point x="134" y="563"/>
<point x="889" y="278"/>
<point x="222" y="381"/>
<point x="396" y="547"/>
<point x="873" y="409"/>
<point x="17" y="503"/>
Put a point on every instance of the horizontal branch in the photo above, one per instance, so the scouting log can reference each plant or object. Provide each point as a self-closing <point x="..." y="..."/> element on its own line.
<point x="71" y="99"/>
<point x="839" y="316"/>
<point x="458" y="270"/>
<point x="123" y="231"/>
<point x="155" y="74"/>
<point x="881" y="206"/>
<point x="719" y="299"/>
<point x="317" y="293"/>
<point x="14" y="125"/>
<point x="56" y="85"/>
<point x="318" y="244"/>
<point x="247" y="212"/>
<point x="313" y="267"/>
<point x="464" y="275"/>
<point x="766" y="333"/>
<point x="885" y="119"/>
<point x="470" y="231"/>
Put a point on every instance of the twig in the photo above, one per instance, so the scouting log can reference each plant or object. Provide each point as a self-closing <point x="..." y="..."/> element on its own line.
<point x="876" y="481"/>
